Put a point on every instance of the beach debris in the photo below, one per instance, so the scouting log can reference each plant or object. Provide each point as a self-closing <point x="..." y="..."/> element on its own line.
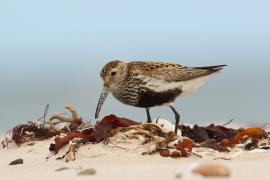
<point x="265" y="148"/>
<point x="16" y="162"/>
<point x="153" y="137"/>
<point x="30" y="132"/>
<point x="4" y="143"/>
<point x="61" y="169"/>
<point x="165" y="153"/>
<point x="144" y="133"/>
<point x="222" y="158"/>
<point x="70" y="123"/>
<point x="59" y="158"/>
<point x="179" y="175"/>
<point x="157" y="137"/>
<point x="60" y="142"/>
<point x="175" y="154"/>
<point x="169" y="147"/>
<point x="201" y="134"/>
<point x="243" y="134"/>
<point x="101" y="131"/>
<point x="252" y="145"/>
<point x="213" y="144"/>
<point x="220" y="138"/>
<point x="72" y="149"/>
<point x="87" y="172"/>
<point x="167" y="126"/>
<point x="31" y="144"/>
<point x="212" y="170"/>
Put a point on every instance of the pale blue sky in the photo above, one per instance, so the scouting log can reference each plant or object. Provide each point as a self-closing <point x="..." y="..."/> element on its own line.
<point x="52" y="52"/>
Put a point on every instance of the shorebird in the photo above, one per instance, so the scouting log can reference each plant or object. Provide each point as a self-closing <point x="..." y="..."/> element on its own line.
<point x="148" y="84"/>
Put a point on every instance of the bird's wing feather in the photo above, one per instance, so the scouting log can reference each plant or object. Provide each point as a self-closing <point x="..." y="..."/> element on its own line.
<point x="171" y="72"/>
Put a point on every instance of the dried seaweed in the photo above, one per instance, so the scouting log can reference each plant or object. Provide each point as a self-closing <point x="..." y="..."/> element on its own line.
<point x="252" y="145"/>
<point x="112" y="129"/>
<point x="202" y="134"/>
<point x="219" y="137"/>
<point x="257" y="133"/>
<point x="30" y="132"/>
<point x="180" y="149"/>
<point x="212" y="143"/>
<point x="100" y="132"/>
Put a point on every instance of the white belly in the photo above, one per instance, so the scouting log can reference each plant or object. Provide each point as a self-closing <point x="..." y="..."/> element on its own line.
<point x="190" y="86"/>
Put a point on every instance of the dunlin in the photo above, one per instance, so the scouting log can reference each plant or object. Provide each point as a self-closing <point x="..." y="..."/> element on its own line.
<point x="149" y="84"/>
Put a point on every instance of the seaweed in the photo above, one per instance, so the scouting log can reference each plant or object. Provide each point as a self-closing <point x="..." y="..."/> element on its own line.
<point x="100" y="132"/>
<point x="74" y="131"/>
<point x="30" y="132"/>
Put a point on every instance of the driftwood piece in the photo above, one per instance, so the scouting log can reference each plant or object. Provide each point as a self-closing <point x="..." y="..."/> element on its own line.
<point x="74" y="122"/>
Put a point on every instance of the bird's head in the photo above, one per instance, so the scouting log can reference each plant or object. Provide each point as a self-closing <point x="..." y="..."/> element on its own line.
<point x="110" y="74"/>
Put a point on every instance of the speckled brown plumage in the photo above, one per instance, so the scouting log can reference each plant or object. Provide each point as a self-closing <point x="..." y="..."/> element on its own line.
<point x="149" y="84"/>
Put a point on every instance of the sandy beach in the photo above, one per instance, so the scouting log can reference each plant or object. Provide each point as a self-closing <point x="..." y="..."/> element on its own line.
<point x="117" y="163"/>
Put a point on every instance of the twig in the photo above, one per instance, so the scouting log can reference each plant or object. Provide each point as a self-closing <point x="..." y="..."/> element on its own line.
<point x="59" y="117"/>
<point x="129" y="149"/>
<point x="6" y="139"/>
<point x="72" y="111"/>
<point x="98" y="155"/>
<point x="45" y="113"/>
<point x="157" y="120"/>
<point x="230" y="121"/>
<point x="196" y="154"/>
<point x="62" y="118"/>
<point x="223" y="158"/>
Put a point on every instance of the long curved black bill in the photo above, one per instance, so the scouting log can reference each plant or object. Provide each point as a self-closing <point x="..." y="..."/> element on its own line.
<point x="104" y="93"/>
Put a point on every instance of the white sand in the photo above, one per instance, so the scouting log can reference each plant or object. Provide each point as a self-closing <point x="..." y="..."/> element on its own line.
<point x="114" y="163"/>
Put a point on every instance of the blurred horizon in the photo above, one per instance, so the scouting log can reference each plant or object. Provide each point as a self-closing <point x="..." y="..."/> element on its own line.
<point x="51" y="52"/>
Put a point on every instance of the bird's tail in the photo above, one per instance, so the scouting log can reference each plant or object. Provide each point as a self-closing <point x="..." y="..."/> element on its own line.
<point x="212" y="68"/>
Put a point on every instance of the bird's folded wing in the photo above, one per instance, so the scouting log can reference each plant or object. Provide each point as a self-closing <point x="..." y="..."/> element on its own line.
<point x="171" y="72"/>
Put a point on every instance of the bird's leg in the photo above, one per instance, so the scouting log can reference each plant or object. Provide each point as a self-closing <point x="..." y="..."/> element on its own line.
<point x="148" y="115"/>
<point x="177" y="118"/>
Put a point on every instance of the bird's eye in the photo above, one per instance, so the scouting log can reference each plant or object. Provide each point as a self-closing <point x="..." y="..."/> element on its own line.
<point x="113" y="73"/>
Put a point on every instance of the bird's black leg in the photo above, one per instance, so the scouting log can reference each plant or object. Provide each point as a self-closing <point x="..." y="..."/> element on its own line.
<point x="148" y="115"/>
<point x="177" y="118"/>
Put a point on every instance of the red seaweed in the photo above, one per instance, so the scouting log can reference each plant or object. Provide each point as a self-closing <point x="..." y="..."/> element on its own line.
<point x="257" y="133"/>
<point x="101" y="131"/>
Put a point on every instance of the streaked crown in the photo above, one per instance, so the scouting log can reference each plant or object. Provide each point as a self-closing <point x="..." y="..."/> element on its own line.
<point x="111" y="71"/>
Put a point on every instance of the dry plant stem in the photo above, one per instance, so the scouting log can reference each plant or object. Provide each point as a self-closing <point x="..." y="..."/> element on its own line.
<point x="143" y="132"/>
<point x="94" y="156"/>
<point x="59" y="117"/>
<point x="45" y="114"/>
<point x="120" y="147"/>
<point x="230" y="121"/>
<point x="222" y="158"/>
<point x="63" y="118"/>
<point x="6" y="139"/>
<point x="71" y="154"/>
<point x="72" y="111"/>
<point x="43" y="117"/>
<point x="195" y="154"/>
